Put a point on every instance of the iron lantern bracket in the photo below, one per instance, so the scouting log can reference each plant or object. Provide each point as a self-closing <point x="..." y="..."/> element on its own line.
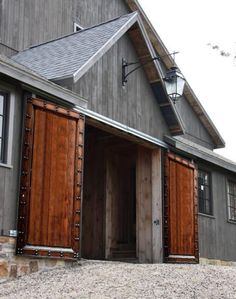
<point x="126" y="65"/>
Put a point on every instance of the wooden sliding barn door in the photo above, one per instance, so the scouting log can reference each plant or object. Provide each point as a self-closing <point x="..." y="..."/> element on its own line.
<point x="51" y="181"/>
<point x="181" y="226"/>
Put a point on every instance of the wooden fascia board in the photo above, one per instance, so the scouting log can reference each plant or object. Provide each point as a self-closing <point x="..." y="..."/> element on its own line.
<point x="80" y="72"/>
<point x="159" y="70"/>
<point x="150" y="48"/>
<point x="168" y="61"/>
<point x="121" y="127"/>
<point x="203" y="116"/>
<point x="14" y="71"/>
<point x="152" y="34"/>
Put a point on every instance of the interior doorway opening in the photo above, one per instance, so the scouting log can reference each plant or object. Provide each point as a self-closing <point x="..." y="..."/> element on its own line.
<point x="109" y="196"/>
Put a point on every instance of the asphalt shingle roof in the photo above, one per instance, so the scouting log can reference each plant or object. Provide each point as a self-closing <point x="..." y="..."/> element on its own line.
<point x="66" y="55"/>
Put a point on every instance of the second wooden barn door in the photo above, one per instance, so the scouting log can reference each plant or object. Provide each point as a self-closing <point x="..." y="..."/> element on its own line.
<point x="51" y="181"/>
<point x="181" y="237"/>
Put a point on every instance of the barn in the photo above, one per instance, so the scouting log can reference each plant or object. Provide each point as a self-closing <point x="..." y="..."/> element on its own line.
<point x="97" y="159"/>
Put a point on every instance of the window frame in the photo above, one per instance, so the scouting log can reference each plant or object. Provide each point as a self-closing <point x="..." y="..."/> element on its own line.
<point x="211" y="210"/>
<point x="4" y="132"/>
<point x="77" y="27"/>
<point x="11" y="92"/>
<point x="229" y="207"/>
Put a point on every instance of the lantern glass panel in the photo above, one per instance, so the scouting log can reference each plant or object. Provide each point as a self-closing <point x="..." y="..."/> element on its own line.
<point x="174" y="83"/>
<point x="180" y="86"/>
<point x="171" y="86"/>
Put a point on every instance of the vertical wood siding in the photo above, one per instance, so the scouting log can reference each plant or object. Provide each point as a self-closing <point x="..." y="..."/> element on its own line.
<point x="7" y="51"/>
<point x="9" y="177"/>
<point x="217" y="236"/>
<point x="133" y="105"/>
<point x="28" y="22"/>
<point x="194" y="129"/>
<point x="144" y="182"/>
<point x="149" y="205"/>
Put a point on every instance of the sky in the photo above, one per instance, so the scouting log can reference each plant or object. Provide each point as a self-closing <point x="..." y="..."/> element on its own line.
<point x="193" y="28"/>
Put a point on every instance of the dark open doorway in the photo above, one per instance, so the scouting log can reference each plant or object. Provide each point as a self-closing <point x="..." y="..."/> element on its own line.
<point x="109" y="196"/>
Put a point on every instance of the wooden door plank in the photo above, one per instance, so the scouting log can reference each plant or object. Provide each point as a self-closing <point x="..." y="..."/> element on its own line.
<point x="71" y="179"/>
<point x="51" y="218"/>
<point x="157" y="236"/>
<point x="37" y="182"/>
<point x="173" y="209"/>
<point x="144" y="205"/>
<point x="181" y="236"/>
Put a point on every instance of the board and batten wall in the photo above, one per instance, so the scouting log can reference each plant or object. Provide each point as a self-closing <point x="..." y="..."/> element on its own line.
<point x="217" y="236"/>
<point x="134" y="104"/>
<point x="9" y="172"/>
<point x="194" y="129"/>
<point x="29" y="22"/>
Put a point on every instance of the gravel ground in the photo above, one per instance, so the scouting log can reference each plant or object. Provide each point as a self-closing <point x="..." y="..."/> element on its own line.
<point x="95" y="279"/>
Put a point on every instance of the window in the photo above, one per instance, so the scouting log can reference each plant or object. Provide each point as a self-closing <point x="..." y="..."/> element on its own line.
<point x="231" y="192"/>
<point x="77" y="27"/>
<point x="204" y="192"/>
<point x="3" y="126"/>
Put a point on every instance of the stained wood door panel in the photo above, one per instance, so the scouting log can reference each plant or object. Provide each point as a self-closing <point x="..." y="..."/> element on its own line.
<point x="181" y="241"/>
<point x="52" y="188"/>
<point x="181" y="229"/>
<point x="51" y="218"/>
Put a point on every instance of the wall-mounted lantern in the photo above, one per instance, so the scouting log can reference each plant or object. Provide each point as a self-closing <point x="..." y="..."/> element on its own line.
<point x="174" y="81"/>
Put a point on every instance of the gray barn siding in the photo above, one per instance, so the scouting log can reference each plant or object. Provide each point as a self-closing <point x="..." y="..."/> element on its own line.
<point x="217" y="237"/>
<point x="28" y="22"/>
<point x="194" y="129"/>
<point x="9" y="177"/>
<point x="7" y="51"/>
<point x="90" y="12"/>
<point x="133" y="105"/>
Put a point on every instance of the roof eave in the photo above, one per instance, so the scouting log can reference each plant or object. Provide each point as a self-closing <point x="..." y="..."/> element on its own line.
<point x="203" y="116"/>
<point x="179" y="127"/>
<point x="14" y="70"/>
<point x="168" y="61"/>
<point x="80" y="72"/>
<point x="189" y="147"/>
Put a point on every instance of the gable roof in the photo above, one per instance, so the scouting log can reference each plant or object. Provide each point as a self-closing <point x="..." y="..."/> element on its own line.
<point x="168" y="63"/>
<point x="71" y="55"/>
<point x="34" y="82"/>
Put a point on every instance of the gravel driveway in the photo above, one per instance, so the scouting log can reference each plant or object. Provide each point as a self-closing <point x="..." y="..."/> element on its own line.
<point x="95" y="279"/>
